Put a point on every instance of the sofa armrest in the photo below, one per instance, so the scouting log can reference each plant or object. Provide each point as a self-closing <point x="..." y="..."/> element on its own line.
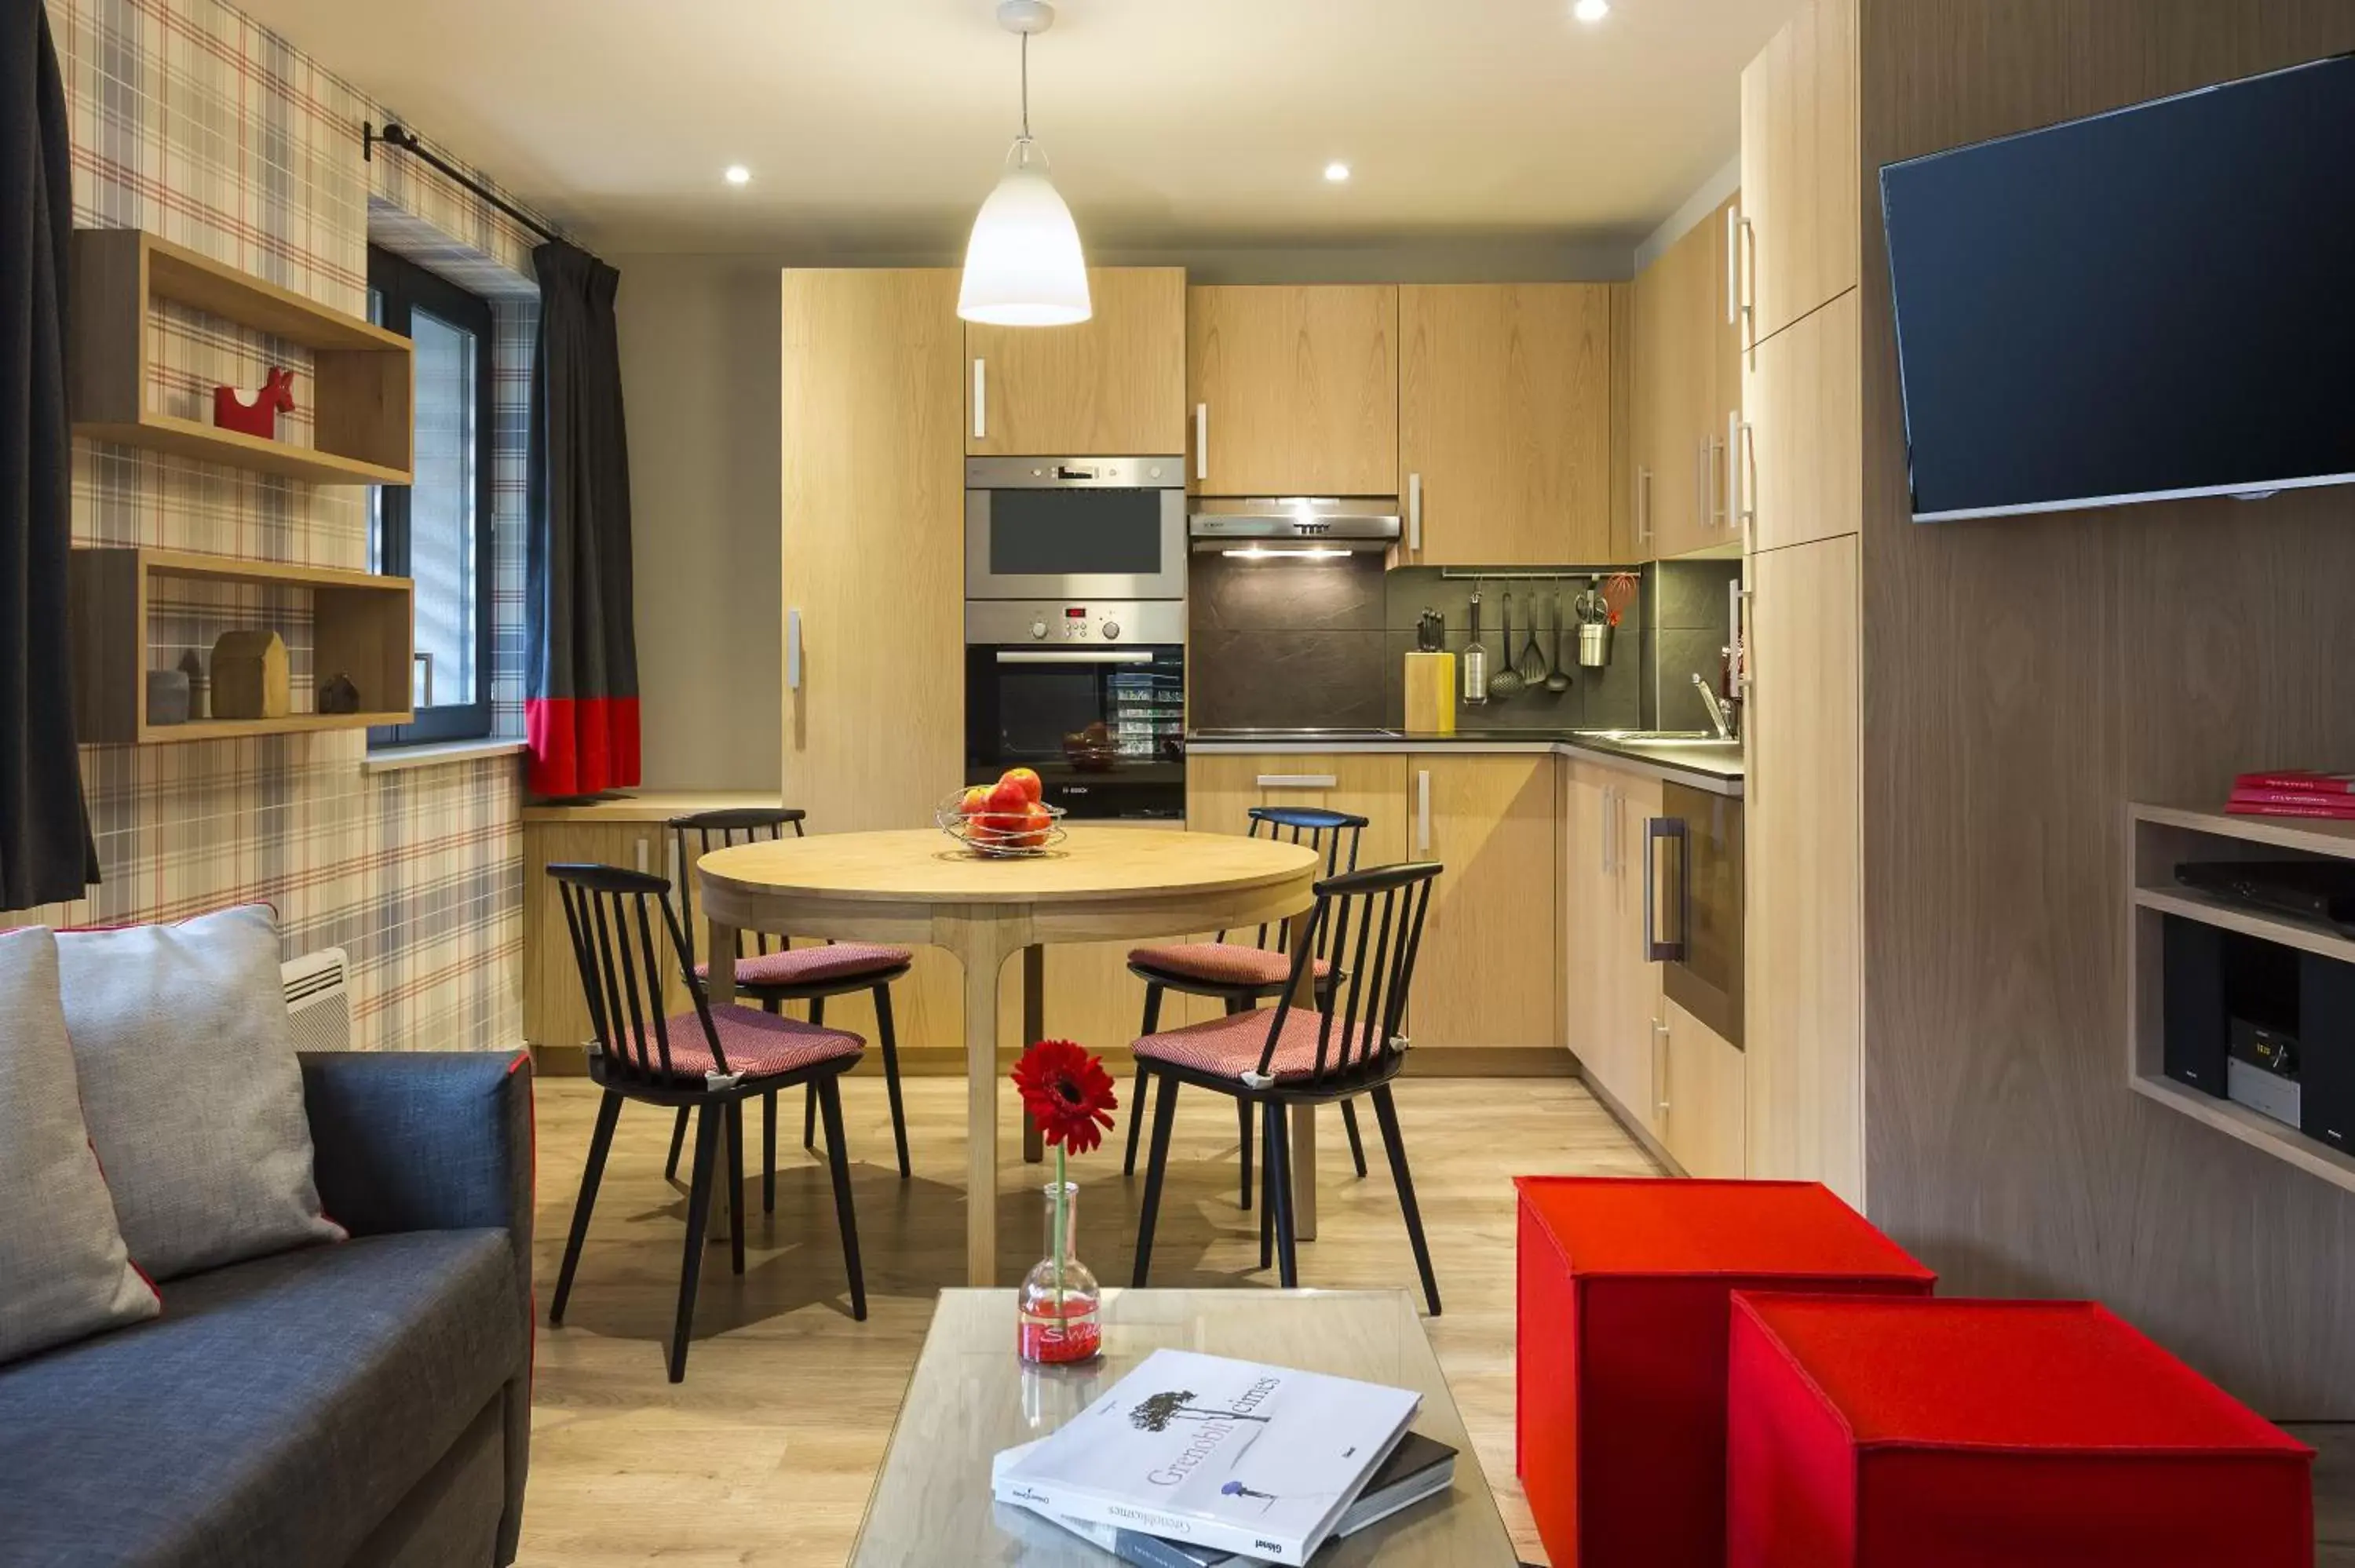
<point x="424" y="1140"/>
<point x="431" y="1140"/>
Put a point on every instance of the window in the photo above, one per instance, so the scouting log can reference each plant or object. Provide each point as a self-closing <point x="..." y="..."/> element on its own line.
<point x="437" y="530"/>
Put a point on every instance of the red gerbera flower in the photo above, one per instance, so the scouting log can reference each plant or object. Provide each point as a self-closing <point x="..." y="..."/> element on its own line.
<point x="1067" y="1092"/>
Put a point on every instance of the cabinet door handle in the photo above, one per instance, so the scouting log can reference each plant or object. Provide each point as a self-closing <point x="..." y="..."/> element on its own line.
<point x="1414" y="514"/>
<point x="1732" y="465"/>
<point x="1733" y="266"/>
<point x="1423" y="811"/>
<point x="1661" y="1045"/>
<point x="1610" y="822"/>
<point x="1658" y="949"/>
<point x="981" y="400"/>
<point x="1644" y="505"/>
<point x="1298" y="782"/>
<point x="1720" y="467"/>
<point x="1201" y="440"/>
<point x="793" y="650"/>
<point x="1743" y="459"/>
<point x="1747" y="292"/>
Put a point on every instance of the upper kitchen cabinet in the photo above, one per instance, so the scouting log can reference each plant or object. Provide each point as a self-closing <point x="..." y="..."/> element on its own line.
<point x="1113" y="385"/>
<point x="1803" y="475"/>
<point x="1687" y="392"/>
<point x="1295" y="391"/>
<point x="1800" y="169"/>
<point x="1505" y="423"/>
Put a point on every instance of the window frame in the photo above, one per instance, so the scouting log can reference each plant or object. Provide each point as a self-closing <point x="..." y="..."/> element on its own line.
<point x="402" y="286"/>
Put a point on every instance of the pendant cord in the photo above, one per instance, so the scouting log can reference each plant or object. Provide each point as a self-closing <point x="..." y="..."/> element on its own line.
<point x="1025" y="87"/>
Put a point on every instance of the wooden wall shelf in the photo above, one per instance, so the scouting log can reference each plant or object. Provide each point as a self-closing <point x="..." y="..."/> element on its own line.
<point x="362" y="625"/>
<point x="359" y="385"/>
<point x="2161" y="838"/>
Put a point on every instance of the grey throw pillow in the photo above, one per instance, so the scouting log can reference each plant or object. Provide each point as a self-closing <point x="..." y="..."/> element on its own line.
<point x="64" y="1272"/>
<point x="191" y="1089"/>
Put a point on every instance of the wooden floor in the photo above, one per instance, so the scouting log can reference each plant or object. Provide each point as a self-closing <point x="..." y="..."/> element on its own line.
<point x="765" y="1454"/>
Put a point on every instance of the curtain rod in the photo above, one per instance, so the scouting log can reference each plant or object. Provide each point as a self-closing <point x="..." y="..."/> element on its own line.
<point x="396" y="134"/>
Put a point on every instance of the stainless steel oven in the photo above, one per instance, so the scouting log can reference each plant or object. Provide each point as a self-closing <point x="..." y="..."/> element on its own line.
<point x="1693" y="904"/>
<point x="1077" y="529"/>
<point x="1090" y="692"/>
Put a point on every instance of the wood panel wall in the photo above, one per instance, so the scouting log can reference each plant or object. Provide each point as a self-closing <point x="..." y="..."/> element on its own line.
<point x="2024" y="679"/>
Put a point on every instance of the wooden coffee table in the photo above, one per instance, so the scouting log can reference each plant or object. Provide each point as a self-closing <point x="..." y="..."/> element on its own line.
<point x="969" y="1397"/>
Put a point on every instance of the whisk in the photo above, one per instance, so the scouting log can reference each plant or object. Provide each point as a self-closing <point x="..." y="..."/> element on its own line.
<point x="1619" y="593"/>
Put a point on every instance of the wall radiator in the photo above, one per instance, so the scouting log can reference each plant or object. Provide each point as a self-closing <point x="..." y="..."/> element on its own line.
<point x="319" y="999"/>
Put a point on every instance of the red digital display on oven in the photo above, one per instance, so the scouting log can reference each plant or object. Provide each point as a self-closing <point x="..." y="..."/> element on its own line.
<point x="1077" y="614"/>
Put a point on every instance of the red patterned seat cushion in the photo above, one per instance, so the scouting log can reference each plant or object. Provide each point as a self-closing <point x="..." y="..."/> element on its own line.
<point x="1221" y="963"/>
<point x="810" y="965"/>
<point x="1231" y="1046"/>
<point x="757" y="1045"/>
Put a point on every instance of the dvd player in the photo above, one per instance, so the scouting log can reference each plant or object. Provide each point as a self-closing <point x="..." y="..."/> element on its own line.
<point x="2320" y="890"/>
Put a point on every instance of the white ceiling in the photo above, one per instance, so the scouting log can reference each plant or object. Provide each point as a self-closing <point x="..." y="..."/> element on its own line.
<point x="876" y="126"/>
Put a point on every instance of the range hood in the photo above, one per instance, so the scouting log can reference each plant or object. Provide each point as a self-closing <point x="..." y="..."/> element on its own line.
<point x="1296" y="525"/>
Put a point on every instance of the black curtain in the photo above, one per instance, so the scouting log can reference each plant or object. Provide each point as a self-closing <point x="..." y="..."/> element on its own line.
<point x="46" y="852"/>
<point x="581" y="707"/>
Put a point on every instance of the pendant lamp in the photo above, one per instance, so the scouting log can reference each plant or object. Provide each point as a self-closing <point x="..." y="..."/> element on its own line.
<point x="1023" y="265"/>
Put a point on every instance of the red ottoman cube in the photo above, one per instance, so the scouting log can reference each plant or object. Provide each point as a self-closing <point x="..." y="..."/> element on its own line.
<point x="1624" y="1287"/>
<point x="1866" y="1432"/>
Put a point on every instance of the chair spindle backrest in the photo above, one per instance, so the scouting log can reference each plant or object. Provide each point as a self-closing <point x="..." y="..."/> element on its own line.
<point x="612" y="916"/>
<point x="698" y="834"/>
<point x="1334" y="835"/>
<point x="1371" y="924"/>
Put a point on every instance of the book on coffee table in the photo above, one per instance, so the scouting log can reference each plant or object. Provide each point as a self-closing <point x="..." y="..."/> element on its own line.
<point x="1233" y="1454"/>
<point x="1416" y="1468"/>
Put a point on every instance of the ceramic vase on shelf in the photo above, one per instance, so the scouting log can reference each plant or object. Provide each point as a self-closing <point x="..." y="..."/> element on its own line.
<point x="1057" y="1315"/>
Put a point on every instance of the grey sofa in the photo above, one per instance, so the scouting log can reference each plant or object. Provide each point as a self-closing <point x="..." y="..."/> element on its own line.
<point x="366" y="1402"/>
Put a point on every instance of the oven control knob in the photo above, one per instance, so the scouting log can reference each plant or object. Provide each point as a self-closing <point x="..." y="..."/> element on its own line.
<point x="1112" y="629"/>
<point x="1038" y="631"/>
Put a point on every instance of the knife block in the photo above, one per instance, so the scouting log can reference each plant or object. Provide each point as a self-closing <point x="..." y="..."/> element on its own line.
<point x="1431" y="693"/>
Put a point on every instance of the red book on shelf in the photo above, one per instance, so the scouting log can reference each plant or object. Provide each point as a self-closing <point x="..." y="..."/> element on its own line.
<point x="2237" y="806"/>
<point x="2299" y="780"/>
<point x="2248" y="795"/>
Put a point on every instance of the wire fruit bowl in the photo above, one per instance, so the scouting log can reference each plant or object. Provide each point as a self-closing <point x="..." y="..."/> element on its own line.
<point x="999" y="835"/>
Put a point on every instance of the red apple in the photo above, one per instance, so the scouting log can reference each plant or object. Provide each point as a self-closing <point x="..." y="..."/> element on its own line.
<point x="974" y="801"/>
<point x="1006" y="798"/>
<point x="1024" y="779"/>
<point x="1037" y="822"/>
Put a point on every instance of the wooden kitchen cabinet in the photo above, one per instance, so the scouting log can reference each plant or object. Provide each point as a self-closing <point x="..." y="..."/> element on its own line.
<point x="1222" y="787"/>
<point x="1488" y="972"/>
<point x="1688" y="393"/>
<point x="1803" y="1019"/>
<point x="554" y="1007"/>
<point x="1293" y="391"/>
<point x="1800" y="170"/>
<point x="1505" y="430"/>
<point x="1703" y="1118"/>
<point x="1804" y="470"/>
<point x="873" y="361"/>
<point x="1113" y="385"/>
<point x="1611" y="998"/>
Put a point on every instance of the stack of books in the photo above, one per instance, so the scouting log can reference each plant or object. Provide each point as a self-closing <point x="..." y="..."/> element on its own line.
<point x="1195" y="1461"/>
<point x="2294" y="792"/>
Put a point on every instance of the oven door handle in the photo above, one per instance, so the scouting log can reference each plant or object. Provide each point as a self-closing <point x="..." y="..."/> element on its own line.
<point x="1074" y="656"/>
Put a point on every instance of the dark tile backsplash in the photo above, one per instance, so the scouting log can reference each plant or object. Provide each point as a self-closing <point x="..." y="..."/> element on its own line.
<point x="1321" y="644"/>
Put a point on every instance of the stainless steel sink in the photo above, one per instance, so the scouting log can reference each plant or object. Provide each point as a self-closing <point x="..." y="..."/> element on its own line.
<point x="1653" y="737"/>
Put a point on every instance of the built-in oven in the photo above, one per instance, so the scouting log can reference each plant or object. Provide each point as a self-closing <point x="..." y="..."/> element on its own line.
<point x="1692" y="904"/>
<point x="1075" y="529"/>
<point x="1090" y="692"/>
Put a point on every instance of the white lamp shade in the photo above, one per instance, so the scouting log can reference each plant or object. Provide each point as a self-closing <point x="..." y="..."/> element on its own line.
<point x="1023" y="266"/>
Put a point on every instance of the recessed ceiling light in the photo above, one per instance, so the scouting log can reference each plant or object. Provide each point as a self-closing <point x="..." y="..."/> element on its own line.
<point x="738" y="174"/>
<point x="1336" y="172"/>
<point x="1591" y="10"/>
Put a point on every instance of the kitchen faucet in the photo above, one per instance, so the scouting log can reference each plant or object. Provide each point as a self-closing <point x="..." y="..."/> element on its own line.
<point x="1716" y="709"/>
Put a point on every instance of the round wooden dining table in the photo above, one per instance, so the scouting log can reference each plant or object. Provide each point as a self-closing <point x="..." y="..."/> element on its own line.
<point x="918" y="887"/>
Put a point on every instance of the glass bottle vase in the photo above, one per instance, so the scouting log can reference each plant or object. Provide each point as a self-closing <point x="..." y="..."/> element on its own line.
<point x="1058" y="1313"/>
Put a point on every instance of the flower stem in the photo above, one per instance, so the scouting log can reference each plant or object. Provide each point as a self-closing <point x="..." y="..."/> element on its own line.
<point x="1061" y="1244"/>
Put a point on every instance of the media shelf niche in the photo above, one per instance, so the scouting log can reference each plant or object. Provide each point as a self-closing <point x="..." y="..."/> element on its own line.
<point x="361" y="626"/>
<point x="358" y="383"/>
<point x="2198" y="961"/>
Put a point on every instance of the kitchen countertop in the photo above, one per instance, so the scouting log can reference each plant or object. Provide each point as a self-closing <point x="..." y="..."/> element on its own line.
<point x="650" y="806"/>
<point x="1713" y="767"/>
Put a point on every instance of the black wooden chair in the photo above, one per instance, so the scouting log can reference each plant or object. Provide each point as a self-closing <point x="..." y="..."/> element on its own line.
<point x="775" y="975"/>
<point x="1243" y="975"/>
<point x="1272" y="1059"/>
<point x="706" y="1060"/>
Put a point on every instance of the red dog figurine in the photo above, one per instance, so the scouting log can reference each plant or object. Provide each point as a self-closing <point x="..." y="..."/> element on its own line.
<point x="258" y="418"/>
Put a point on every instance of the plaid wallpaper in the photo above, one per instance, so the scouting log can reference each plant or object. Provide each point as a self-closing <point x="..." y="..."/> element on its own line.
<point x="196" y="124"/>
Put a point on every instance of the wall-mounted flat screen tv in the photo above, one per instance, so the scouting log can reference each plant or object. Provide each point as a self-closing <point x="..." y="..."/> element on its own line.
<point x="2151" y="303"/>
